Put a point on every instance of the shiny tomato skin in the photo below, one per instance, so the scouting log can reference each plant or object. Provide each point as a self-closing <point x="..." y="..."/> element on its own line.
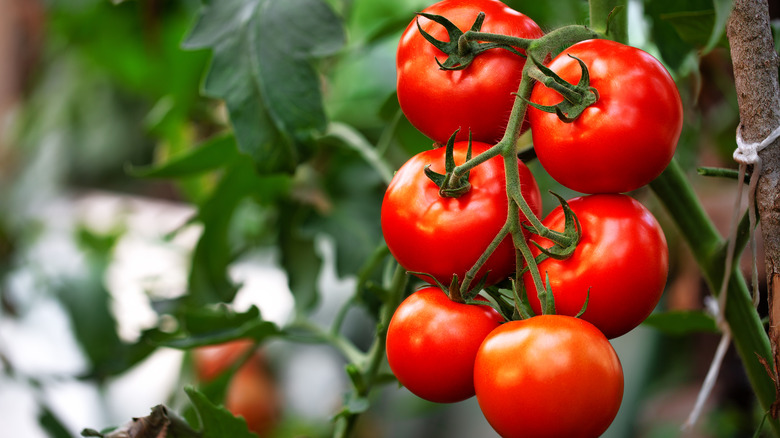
<point x="624" y="140"/>
<point x="622" y="258"/>
<point x="446" y="236"/>
<point x="432" y="342"/>
<point x="478" y="98"/>
<point x="548" y="376"/>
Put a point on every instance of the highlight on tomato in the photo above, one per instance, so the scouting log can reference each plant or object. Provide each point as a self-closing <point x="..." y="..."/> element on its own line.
<point x="445" y="236"/>
<point x="622" y="141"/>
<point x="620" y="264"/>
<point x="432" y="342"/>
<point x="548" y="376"/>
<point x="476" y="99"/>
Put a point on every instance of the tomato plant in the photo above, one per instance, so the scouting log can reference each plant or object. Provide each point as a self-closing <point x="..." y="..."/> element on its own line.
<point x="548" y="376"/>
<point x="278" y="127"/>
<point x="445" y="236"/>
<point x="477" y="99"/>
<point x="432" y="342"/>
<point x="620" y="264"/>
<point x="625" y="139"/>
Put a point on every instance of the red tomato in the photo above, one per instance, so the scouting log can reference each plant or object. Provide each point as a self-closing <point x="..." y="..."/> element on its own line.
<point x="478" y="98"/>
<point x="622" y="258"/>
<point x="446" y="236"/>
<point x="252" y="394"/>
<point x="548" y="376"/>
<point x="432" y="342"/>
<point x="213" y="360"/>
<point x="624" y="140"/>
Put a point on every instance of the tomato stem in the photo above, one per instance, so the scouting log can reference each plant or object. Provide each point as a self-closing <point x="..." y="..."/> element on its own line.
<point x="472" y="273"/>
<point x="504" y="40"/>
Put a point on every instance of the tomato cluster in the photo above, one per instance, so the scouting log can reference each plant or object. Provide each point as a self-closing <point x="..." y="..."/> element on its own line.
<point x="606" y="122"/>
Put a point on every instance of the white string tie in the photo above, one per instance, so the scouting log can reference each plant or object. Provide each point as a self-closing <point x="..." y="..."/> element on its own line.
<point x="747" y="153"/>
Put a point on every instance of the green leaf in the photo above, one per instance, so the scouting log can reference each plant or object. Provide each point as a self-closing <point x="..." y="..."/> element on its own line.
<point x="262" y="69"/>
<point x="695" y="27"/>
<point x="673" y="49"/>
<point x="88" y="304"/>
<point x="678" y="323"/>
<point x="217" y="421"/>
<point x="214" y="325"/>
<point x="299" y="258"/>
<point x="354" y="190"/>
<point x="722" y="12"/>
<point x="51" y="424"/>
<point x="209" y="282"/>
<point x="212" y="154"/>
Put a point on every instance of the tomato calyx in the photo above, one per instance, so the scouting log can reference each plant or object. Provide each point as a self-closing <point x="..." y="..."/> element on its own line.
<point x="576" y="98"/>
<point x="565" y="242"/>
<point x="462" y="48"/>
<point x="450" y="185"/>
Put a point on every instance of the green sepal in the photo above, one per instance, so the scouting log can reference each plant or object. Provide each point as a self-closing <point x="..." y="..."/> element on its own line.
<point x="522" y="305"/>
<point x="502" y="303"/>
<point x="584" y="305"/>
<point x="546" y="297"/>
<point x="565" y="243"/>
<point x="576" y="98"/>
<point x="460" y="54"/>
<point x="449" y="188"/>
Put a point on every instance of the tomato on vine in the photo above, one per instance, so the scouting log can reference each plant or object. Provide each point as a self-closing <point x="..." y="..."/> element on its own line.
<point x="445" y="236"/>
<point x="548" y="376"/>
<point x="253" y="394"/>
<point x="622" y="141"/>
<point x="477" y="99"/>
<point x="432" y="342"/>
<point x="212" y="360"/>
<point x="620" y="264"/>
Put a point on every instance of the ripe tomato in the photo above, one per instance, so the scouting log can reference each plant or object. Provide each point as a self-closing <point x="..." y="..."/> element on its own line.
<point x="213" y="360"/>
<point x="252" y="394"/>
<point x="622" y="258"/>
<point x="446" y="236"/>
<point x="432" y="342"/>
<point x="548" y="376"/>
<point x="478" y="98"/>
<point x="626" y="138"/>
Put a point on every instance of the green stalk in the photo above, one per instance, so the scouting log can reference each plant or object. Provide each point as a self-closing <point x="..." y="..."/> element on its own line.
<point x="610" y="18"/>
<point x="370" y="366"/>
<point x="750" y="338"/>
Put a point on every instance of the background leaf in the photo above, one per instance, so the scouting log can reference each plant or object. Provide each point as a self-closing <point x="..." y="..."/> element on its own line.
<point x="211" y="155"/>
<point x="217" y="421"/>
<point x="682" y="322"/>
<point x="262" y="68"/>
<point x="211" y="326"/>
<point x="209" y="280"/>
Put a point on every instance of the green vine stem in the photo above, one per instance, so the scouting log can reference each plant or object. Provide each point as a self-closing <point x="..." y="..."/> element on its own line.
<point x="365" y="373"/>
<point x="610" y="18"/>
<point x="750" y="339"/>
